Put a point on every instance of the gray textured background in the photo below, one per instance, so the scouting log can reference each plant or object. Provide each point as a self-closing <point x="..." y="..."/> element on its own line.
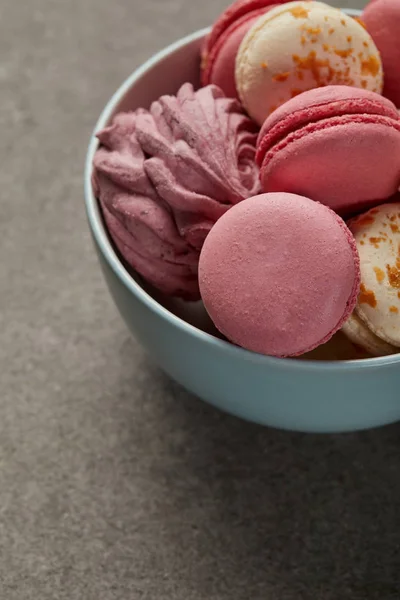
<point x="115" y="483"/>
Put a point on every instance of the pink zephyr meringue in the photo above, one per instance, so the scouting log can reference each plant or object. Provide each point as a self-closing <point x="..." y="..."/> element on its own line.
<point x="165" y="176"/>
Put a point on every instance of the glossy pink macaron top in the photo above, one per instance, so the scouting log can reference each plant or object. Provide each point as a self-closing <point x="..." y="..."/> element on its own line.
<point x="279" y="274"/>
<point x="382" y="20"/>
<point x="323" y="144"/>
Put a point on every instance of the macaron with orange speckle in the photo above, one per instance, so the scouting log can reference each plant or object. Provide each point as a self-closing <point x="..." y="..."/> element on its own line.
<point x="357" y="332"/>
<point x="299" y="46"/>
<point x="377" y="235"/>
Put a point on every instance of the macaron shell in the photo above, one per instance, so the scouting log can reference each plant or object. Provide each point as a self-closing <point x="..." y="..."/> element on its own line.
<point x="332" y="97"/>
<point x="317" y="104"/>
<point x="382" y="20"/>
<point x="336" y="162"/>
<point x="358" y="332"/>
<point x="279" y="274"/>
<point x="231" y="14"/>
<point x="220" y="67"/>
<point x="300" y="46"/>
<point x="377" y="235"/>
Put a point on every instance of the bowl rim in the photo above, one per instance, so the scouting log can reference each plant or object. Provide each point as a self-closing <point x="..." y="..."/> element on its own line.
<point x="104" y="244"/>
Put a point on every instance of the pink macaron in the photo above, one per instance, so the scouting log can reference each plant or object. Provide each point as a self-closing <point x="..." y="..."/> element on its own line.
<point x="223" y="42"/>
<point x="279" y="274"/>
<point x="337" y="144"/>
<point x="382" y="20"/>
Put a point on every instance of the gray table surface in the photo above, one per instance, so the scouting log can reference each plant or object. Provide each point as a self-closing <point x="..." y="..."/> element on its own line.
<point x="114" y="482"/>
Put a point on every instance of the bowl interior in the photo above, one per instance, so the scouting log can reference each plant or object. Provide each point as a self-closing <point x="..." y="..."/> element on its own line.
<point x="164" y="74"/>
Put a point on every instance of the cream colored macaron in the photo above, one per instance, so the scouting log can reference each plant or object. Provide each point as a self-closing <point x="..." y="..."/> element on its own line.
<point x="299" y="46"/>
<point x="377" y="235"/>
<point x="358" y="332"/>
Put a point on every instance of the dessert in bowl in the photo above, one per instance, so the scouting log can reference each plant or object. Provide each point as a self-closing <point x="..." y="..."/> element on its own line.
<point x="337" y="386"/>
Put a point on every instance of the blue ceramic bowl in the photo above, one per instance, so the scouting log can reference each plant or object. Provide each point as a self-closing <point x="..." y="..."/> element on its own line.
<point x="303" y="395"/>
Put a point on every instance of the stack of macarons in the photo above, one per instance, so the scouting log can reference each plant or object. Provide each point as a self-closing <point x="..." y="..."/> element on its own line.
<point x="272" y="192"/>
<point x="267" y="54"/>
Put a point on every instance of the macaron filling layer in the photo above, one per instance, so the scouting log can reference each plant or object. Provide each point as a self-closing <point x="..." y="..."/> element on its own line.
<point x="276" y="129"/>
<point x="365" y="145"/>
